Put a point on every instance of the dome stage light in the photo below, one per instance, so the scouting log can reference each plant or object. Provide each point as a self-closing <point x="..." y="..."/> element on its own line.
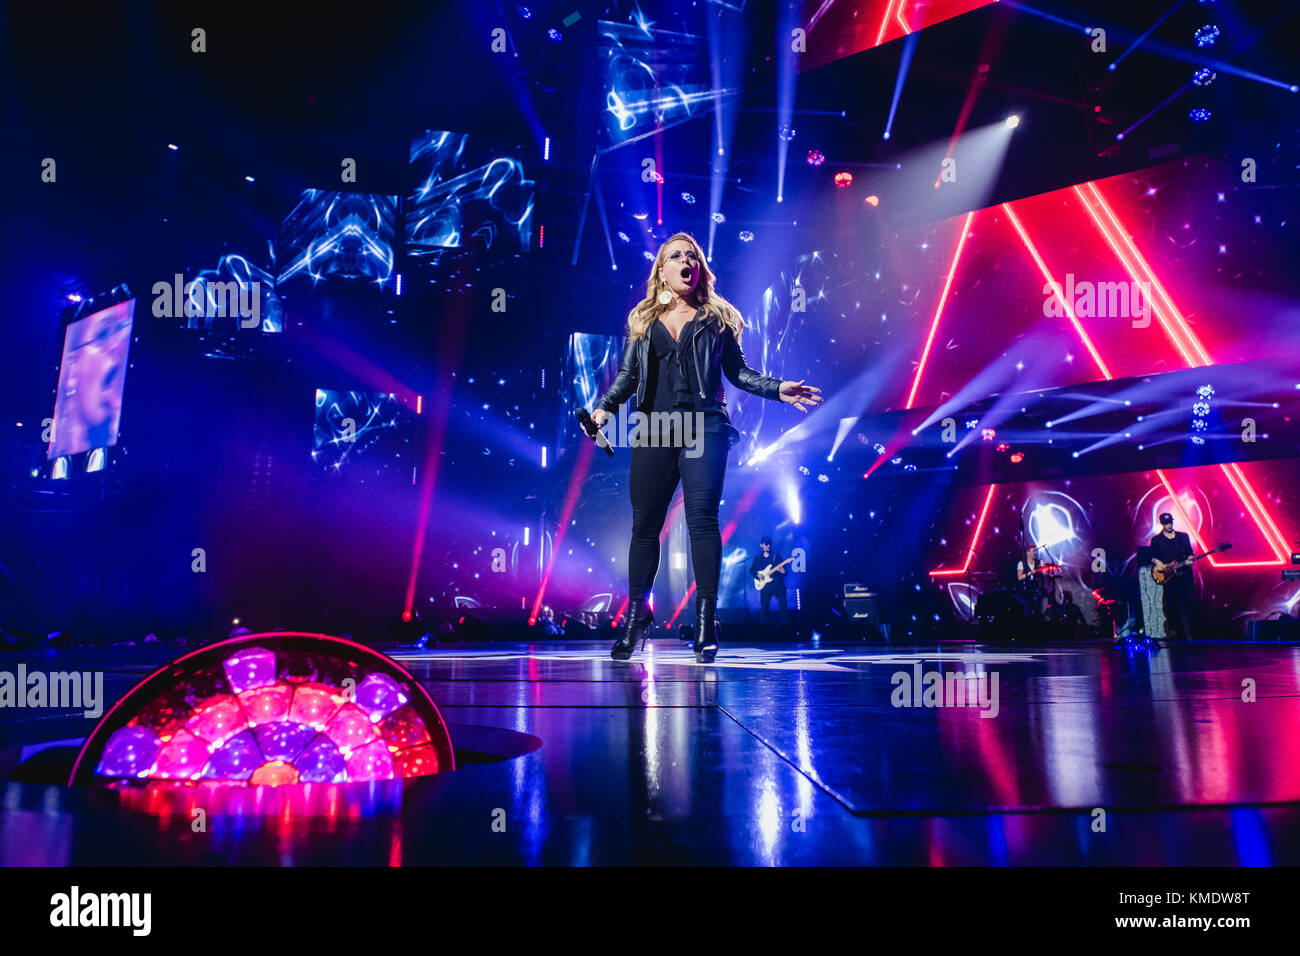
<point x="269" y="709"/>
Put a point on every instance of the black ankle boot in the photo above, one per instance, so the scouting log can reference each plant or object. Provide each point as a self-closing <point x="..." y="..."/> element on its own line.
<point x="635" y="628"/>
<point x="706" y="629"/>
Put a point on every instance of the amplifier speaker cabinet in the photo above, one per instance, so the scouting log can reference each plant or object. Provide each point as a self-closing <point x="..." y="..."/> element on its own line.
<point x="861" y="604"/>
<point x="1287" y="629"/>
<point x="862" y="617"/>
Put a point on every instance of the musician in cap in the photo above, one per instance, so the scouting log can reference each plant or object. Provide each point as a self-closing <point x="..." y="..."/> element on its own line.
<point x="1167" y="548"/>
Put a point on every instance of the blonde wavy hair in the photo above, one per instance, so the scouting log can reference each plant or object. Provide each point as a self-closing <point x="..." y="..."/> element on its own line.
<point x="719" y="310"/>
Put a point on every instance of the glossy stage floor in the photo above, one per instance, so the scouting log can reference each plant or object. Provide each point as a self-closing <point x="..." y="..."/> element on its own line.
<point x="773" y="755"/>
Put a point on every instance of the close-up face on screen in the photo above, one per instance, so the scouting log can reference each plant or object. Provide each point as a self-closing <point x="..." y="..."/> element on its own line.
<point x="707" y="434"/>
<point x="92" y="377"/>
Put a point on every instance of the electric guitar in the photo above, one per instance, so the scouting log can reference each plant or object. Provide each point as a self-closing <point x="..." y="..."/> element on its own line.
<point x="1164" y="575"/>
<point x="765" y="576"/>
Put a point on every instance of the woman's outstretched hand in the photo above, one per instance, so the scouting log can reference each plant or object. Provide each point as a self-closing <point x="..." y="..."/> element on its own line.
<point x="600" y="416"/>
<point x="798" y="394"/>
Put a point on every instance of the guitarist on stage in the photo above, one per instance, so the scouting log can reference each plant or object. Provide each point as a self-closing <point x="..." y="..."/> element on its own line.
<point x="1179" y="592"/>
<point x="775" y="588"/>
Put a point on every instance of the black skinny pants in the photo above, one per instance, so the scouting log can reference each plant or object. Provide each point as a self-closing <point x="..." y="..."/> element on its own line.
<point x="773" y="592"/>
<point x="1177" y="599"/>
<point x="656" y="473"/>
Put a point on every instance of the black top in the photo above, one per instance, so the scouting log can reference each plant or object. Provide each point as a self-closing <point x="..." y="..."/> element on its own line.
<point x="672" y="368"/>
<point x="672" y="384"/>
<point x="1166" y="550"/>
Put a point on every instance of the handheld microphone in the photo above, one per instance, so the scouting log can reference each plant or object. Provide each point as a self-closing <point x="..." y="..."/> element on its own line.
<point x="592" y="431"/>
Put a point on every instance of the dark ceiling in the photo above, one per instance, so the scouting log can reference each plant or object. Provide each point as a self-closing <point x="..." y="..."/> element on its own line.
<point x="284" y="91"/>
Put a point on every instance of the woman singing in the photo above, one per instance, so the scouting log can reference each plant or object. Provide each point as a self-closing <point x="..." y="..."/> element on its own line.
<point x="681" y="338"/>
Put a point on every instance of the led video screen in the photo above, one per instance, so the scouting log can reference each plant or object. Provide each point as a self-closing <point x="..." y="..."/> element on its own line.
<point x="842" y="29"/>
<point x="1090" y="530"/>
<point x="467" y="197"/>
<point x="365" y="434"/>
<point x="238" y="294"/>
<point x="92" y="375"/>
<point x="590" y="364"/>
<point x="339" y="239"/>
<point x="1143" y="324"/>
<point x="654" y="78"/>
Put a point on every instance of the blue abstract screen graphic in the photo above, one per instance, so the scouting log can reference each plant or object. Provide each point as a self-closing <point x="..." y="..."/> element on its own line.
<point x="211" y="292"/>
<point x="366" y="434"/>
<point x="467" y="197"/>
<point x="590" y="364"/>
<point x="653" y="78"/>
<point x="339" y="238"/>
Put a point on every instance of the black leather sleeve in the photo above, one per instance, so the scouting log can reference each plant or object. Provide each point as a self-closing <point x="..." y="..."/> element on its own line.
<point x="624" y="384"/>
<point x="741" y="375"/>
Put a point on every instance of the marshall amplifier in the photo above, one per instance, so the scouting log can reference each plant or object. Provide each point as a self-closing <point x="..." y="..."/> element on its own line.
<point x="862" y="615"/>
<point x="861" y="604"/>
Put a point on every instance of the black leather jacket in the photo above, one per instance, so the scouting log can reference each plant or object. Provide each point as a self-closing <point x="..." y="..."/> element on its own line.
<point x="715" y="351"/>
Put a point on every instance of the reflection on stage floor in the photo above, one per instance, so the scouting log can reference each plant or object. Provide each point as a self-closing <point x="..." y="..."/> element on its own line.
<point x="773" y="755"/>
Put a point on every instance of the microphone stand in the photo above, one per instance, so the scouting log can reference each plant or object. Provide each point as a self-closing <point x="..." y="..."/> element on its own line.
<point x="1056" y="581"/>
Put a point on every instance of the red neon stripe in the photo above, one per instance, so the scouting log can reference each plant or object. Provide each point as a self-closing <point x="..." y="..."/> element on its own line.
<point x="898" y="15"/>
<point x="979" y="528"/>
<point x="1122" y="233"/>
<point x="1182" y="516"/>
<point x="1236" y="477"/>
<point x="1282" y="541"/>
<point x="1133" y="274"/>
<point x="1258" y="513"/>
<point x="943" y="299"/>
<point x="1056" y="290"/>
<point x="883" y="21"/>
